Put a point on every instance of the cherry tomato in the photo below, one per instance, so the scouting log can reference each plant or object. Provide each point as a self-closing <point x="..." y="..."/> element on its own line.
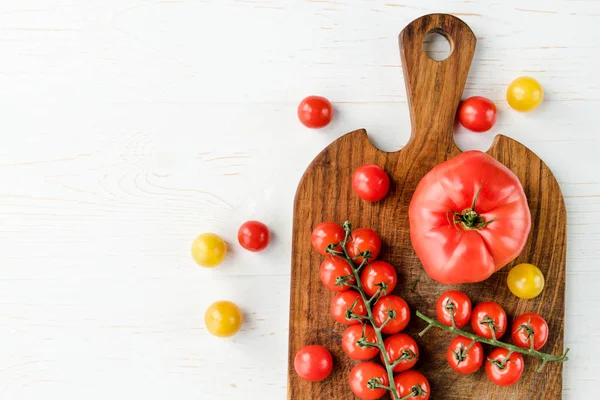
<point x="350" y="339"/>
<point x="313" y="363"/>
<point x="477" y="114"/>
<point x="463" y="357"/>
<point x="530" y="327"/>
<point x="507" y="374"/>
<point x="363" y="239"/>
<point x="223" y="318"/>
<point x="333" y="268"/>
<point x="253" y="235"/>
<point x="370" y="182"/>
<point x="401" y="346"/>
<point x="209" y="250"/>
<point x="327" y="233"/>
<point x="524" y="94"/>
<point x="315" y="112"/>
<point x="492" y="312"/>
<point x="345" y="301"/>
<point x="412" y="382"/>
<point x="382" y="310"/>
<point x="525" y="281"/>
<point x="362" y="374"/>
<point x="376" y="274"/>
<point x="457" y="302"/>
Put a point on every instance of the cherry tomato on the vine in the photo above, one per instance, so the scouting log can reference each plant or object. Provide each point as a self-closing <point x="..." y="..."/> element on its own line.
<point x="209" y="250"/>
<point x="333" y="268"/>
<point x="477" y="114"/>
<point x="395" y="305"/>
<point x="254" y="235"/>
<point x="530" y="327"/>
<point x="315" y="112"/>
<point x="327" y="233"/>
<point x="524" y="94"/>
<point x="461" y="360"/>
<point x="351" y="337"/>
<point x="455" y="301"/>
<point x="345" y="301"/>
<point x="402" y="346"/>
<point x="507" y="374"/>
<point x="223" y="318"/>
<point x="370" y="182"/>
<point x="363" y="239"/>
<point x="377" y="273"/>
<point x="313" y="363"/>
<point x="360" y="377"/>
<point x="412" y="382"/>
<point x="484" y="315"/>
<point x="525" y="281"/>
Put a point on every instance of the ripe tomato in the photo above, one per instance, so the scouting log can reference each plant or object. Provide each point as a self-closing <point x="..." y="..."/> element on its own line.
<point x="412" y="382"/>
<point x="525" y="281"/>
<point x="327" y="233"/>
<point x="363" y="239"/>
<point x="344" y="301"/>
<point x="313" y="363"/>
<point x="524" y="94"/>
<point x="209" y="250"/>
<point x="463" y="357"/>
<point x="223" y="318"/>
<point x="315" y="112"/>
<point x="401" y="346"/>
<point x="370" y="182"/>
<point x="494" y="314"/>
<point x="477" y="114"/>
<point x="457" y="302"/>
<point x="468" y="218"/>
<point x="376" y="274"/>
<point x="382" y="310"/>
<point x="253" y="235"/>
<point x="350" y="339"/>
<point x="507" y="374"/>
<point x="362" y="374"/>
<point x="333" y="268"/>
<point x="530" y="327"/>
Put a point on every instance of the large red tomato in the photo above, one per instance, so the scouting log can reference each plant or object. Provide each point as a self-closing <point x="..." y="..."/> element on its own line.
<point x="468" y="218"/>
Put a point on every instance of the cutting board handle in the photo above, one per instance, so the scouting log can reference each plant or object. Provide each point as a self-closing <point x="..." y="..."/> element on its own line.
<point x="435" y="88"/>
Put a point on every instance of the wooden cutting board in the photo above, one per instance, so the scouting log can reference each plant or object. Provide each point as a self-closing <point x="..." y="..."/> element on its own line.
<point x="325" y="194"/>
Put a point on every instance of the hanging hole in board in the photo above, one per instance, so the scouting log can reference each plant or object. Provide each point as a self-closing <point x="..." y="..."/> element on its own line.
<point x="437" y="45"/>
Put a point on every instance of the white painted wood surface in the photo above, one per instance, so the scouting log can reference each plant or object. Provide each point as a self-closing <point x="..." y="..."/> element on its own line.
<point x="130" y="126"/>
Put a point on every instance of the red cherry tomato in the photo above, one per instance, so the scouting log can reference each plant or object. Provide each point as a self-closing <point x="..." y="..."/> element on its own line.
<point x="253" y="235"/>
<point x="327" y="233"/>
<point x="477" y="114"/>
<point x="530" y="327"/>
<point x="509" y="373"/>
<point x="382" y="310"/>
<point x="401" y="346"/>
<point x="463" y="357"/>
<point x="412" y="382"/>
<point x="376" y="274"/>
<point x="333" y="268"/>
<point x="492" y="312"/>
<point x="345" y="301"/>
<point x="363" y="239"/>
<point x="362" y="374"/>
<point x="315" y="112"/>
<point x="457" y="302"/>
<point x="370" y="182"/>
<point x="313" y="363"/>
<point x="350" y="339"/>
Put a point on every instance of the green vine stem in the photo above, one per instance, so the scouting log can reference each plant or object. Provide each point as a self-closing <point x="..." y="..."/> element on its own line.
<point x="494" y="342"/>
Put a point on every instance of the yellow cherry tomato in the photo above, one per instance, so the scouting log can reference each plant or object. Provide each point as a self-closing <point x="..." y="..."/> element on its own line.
<point x="524" y="94"/>
<point x="209" y="250"/>
<point x="525" y="281"/>
<point x="223" y="318"/>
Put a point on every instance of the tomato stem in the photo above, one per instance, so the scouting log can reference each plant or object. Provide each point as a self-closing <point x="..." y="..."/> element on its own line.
<point x="469" y="218"/>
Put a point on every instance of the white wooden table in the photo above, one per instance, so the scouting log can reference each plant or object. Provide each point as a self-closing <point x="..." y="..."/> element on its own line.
<point x="129" y="127"/>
